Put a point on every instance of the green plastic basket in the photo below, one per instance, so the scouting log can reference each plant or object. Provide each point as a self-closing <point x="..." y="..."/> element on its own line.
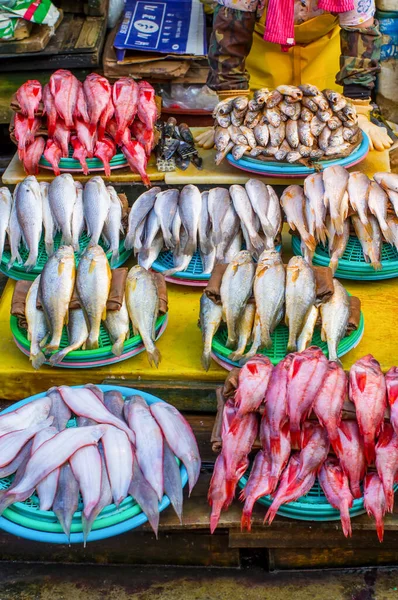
<point x="352" y="264"/>
<point x="18" y="272"/>
<point x="280" y="338"/>
<point x="105" y="345"/>
<point x="93" y="164"/>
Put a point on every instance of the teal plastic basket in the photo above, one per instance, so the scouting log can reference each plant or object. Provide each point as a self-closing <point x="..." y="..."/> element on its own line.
<point x="93" y="164"/>
<point x="352" y="264"/>
<point x="26" y="520"/>
<point x="18" y="272"/>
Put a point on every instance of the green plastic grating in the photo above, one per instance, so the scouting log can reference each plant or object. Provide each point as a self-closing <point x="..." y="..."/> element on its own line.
<point x="105" y="344"/>
<point x="280" y="338"/>
<point x="194" y="270"/>
<point x="18" y="272"/>
<point x="92" y="163"/>
<point x="352" y="265"/>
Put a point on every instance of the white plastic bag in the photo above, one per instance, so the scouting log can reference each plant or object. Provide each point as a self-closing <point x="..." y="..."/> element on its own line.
<point x="115" y="10"/>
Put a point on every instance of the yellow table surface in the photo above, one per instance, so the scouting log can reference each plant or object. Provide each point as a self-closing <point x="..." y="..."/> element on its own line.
<point x="181" y="343"/>
<point x="226" y="174"/>
<point x="15" y="173"/>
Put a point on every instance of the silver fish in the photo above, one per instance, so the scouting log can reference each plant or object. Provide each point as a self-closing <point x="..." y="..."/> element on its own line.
<point x="249" y="135"/>
<point x="334" y="123"/>
<point x="317" y="126"/>
<point x="152" y="227"/>
<point x="236" y="288"/>
<point x="335" y="180"/>
<point x="117" y="324"/>
<point x="145" y="496"/>
<point x="12" y="443"/>
<point x="239" y="151"/>
<point x="66" y="499"/>
<point x="305" y="135"/>
<point x="246" y="214"/>
<point x="292" y="134"/>
<point x="219" y="202"/>
<point x="190" y="206"/>
<point x="143" y="306"/>
<point x="5" y="213"/>
<point x="210" y="317"/>
<point x="29" y="209"/>
<point x="335" y="314"/>
<point x="172" y="480"/>
<point x="273" y="116"/>
<point x="377" y="203"/>
<point x="290" y="110"/>
<point x="358" y="192"/>
<point x="14" y="232"/>
<point x="223" y="120"/>
<point x="77" y="217"/>
<point x="87" y="469"/>
<point x="236" y="135"/>
<point x="274" y="215"/>
<point x="221" y="138"/>
<point x="336" y="139"/>
<point x="307" y="332"/>
<point x="259" y="198"/>
<point x="48" y="221"/>
<point x="273" y="99"/>
<point x="388" y="181"/>
<point x="113" y="225"/>
<point x="321" y="101"/>
<point x="37" y="326"/>
<point x="305" y="151"/>
<point x="233" y="250"/>
<point x="59" y="410"/>
<point x="337" y="101"/>
<point x="93" y="282"/>
<point x="392" y="222"/>
<point x="337" y="243"/>
<point x="314" y="191"/>
<point x="269" y="293"/>
<point x="340" y="151"/>
<point x="300" y="297"/>
<point x="291" y="91"/>
<point x="283" y="151"/>
<point x="256" y="341"/>
<point x="147" y="256"/>
<point x="309" y="90"/>
<point x="204" y="229"/>
<point x="47" y="487"/>
<point x="165" y="209"/>
<point x="371" y="244"/>
<point x="140" y="209"/>
<point x="114" y="402"/>
<point x="96" y="204"/>
<point x="261" y="133"/>
<point x="293" y="203"/>
<point x="62" y="198"/>
<point x="323" y="139"/>
<point x="119" y="462"/>
<point x="224" y="107"/>
<point x="56" y="287"/>
<point x="245" y="330"/>
<point x="310" y="104"/>
<point x="277" y="134"/>
<point x="293" y="156"/>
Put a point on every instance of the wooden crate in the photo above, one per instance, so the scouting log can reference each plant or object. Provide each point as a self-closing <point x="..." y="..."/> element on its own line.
<point x="93" y="8"/>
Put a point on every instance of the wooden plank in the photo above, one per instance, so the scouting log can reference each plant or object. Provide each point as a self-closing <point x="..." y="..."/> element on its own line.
<point x="89" y="35"/>
<point x="293" y="558"/>
<point x="37" y="40"/>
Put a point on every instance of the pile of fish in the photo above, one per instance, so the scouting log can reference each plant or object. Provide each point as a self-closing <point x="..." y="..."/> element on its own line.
<point x="215" y="222"/>
<point x="303" y="384"/>
<point x="176" y="147"/>
<point x="91" y="281"/>
<point x="255" y="298"/>
<point x="293" y="124"/>
<point x="335" y="203"/>
<point x="65" y="206"/>
<point x="119" y="448"/>
<point x="93" y="117"/>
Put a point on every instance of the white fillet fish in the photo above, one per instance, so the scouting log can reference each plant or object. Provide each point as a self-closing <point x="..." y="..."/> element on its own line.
<point x="62" y="199"/>
<point x="37" y="326"/>
<point x="48" y="221"/>
<point x="29" y="208"/>
<point x="96" y="204"/>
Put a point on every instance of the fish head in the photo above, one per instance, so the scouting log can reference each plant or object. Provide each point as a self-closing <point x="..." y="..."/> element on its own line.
<point x="242" y="258"/>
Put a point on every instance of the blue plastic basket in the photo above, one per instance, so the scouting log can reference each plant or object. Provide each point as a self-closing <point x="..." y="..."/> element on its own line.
<point x="36" y="532"/>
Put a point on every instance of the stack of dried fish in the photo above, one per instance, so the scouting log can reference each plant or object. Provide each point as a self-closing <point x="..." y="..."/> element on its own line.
<point x="53" y="291"/>
<point x="293" y="124"/>
<point x="254" y="300"/>
<point x="61" y="206"/>
<point x="120" y="448"/>
<point x="335" y="200"/>
<point x="215" y="222"/>
<point x="176" y="147"/>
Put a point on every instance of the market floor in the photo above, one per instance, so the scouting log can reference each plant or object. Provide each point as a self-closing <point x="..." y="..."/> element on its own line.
<point x="85" y="582"/>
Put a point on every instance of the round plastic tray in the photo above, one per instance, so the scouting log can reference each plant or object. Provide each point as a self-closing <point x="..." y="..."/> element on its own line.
<point x="352" y="264"/>
<point x="89" y="357"/>
<point x="94" y="164"/>
<point x="279" y="343"/>
<point x="26" y="520"/>
<point x="18" y="272"/>
<point x="286" y="170"/>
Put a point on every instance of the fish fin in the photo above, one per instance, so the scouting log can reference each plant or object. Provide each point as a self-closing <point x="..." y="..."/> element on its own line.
<point x="103" y="316"/>
<point x="58" y="356"/>
<point x="154" y="357"/>
<point x="31" y="262"/>
<point x="338" y="223"/>
<point x="235" y="356"/>
<point x="377" y="265"/>
<point x="49" y="248"/>
<point x="336" y="444"/>
<point x="323" y="335"/>
<point x="379" y="527"/>
<point x="61" y="266"/>
<point x="38" y="360"/>
<point x="321" y="234"/>
<point x="333" y="264"/>
<point x="214" y="518"/>
<point x="92" y="266"/>
<point x="117" y="347"/>
<point x="360" y="379"/>
<point x="231" y="342"/>
<point x="206" y="361"/>
<point x="246" y="520"/>
<point x="115" y="257"/>
<point x="368" y="227"/>
<point x="91" y="344"/>
<point x="345" y="519"/>
<point x="190" y="247"/>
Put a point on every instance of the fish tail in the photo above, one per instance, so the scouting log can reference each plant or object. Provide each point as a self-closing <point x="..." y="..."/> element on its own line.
<point x="49" y="248"/>
<point x="154" y="357"/>
<point x="117" y="347"/>
<point x="292" y="343"/>
<point x="206" y="360"/>
<point x="389" y="494"/>
<point x="321" y="232"/>
<point x="65" y="520"/>
<point x="334" y="263"/>
<point x="271" y="514"/>
<point x="345" y="519"/>
<point x="87" y="523"/>
<point x="37" y="360"/>
<point x="235" y="356"/>
<point x="58" y="357"/>
<point x="53" y="345"/>
<point x="273" y="482"/>
<point x="310" y="242"/>
<point x="190" y="246"/>
<point x="6" y="499"/>
<point x="257" y="242"/>
<point x="338" y="223"/>
<point x="214" y="518"/>
<point x="367" y="225"/>
<point x="369" y="446"/>
<point x="377" y="265"/>
<point x="266" y="341"/>
<point x="31" y="260"/>
<point x="115" y="257"/>
<point x="92" y="344"/>
<point x="17" y="258"/>
<point x="295" y="437"/>
<point x="246" y="520"/>
<point x="388" y="234"/>
<point x="379" y="527"/>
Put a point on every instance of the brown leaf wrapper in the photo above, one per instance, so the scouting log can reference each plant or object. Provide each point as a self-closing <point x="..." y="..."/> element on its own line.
<point x="324" y="284"/>
<point x="355" y="314"/>
<point x="18" y="302"/>
<point x="15" y="106"/>
<point x="231" y="383"/>
<point x="118" y="286"/>
<point x="212" y="289"/>
<point x="162" y="293"/>
<point x="216" y="440"/>
<point x="11" y="128"/>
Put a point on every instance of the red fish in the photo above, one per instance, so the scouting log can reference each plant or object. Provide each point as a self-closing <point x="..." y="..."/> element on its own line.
<point x="367" y="391"/>
<point x="289" y="488"/>
<point x="335" y="486"/>
<point x="352" y="455"/>
<point x="258" y="485"/>
<point x="79" y="153"/>
<point x="24" y="135"/>
<point x="137" y="159"/>
<point x="29" y="96"/>
<point x="392" y="395"/>
<point x="33" y="155"/>
<point x="374" y="501"/>
<point x="98" y="92"/>
<point x="125" y="100"/>
<point x="65" y="88"/>
<point x="147" y="109"/>
<point x="144" y="136"/>
<point x="86" y="138"/>
<point x="236" y="445"/>
<point x="49" y="110"/>
<point x="105" y="118"/>
<point x="111" y="128"/>
<point x="328" y="405"/>
<point x="53" y="154"/>
<point x="254" y="377"/>
<point x="279" y="454"/>
<point x="275" y="411"/>
<point x="306" y="374"/>
<point x="81" y="104"/>
<point x="62" y="137"/>
<point x="228" y="416"/>
<point x="217" y="495"/>
<point x="387" y="462"/>
<point x="105" y="150"/>
<point x="315" y="448"/>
